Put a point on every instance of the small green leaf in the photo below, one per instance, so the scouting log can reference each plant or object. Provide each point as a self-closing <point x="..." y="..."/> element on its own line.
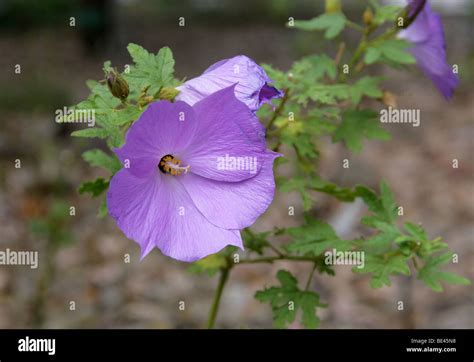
<point x="107" y="66"/>
<point x="95" y="188"/>
<point x="431" y="274"/>
<point x="280" y="79"/>
<point x="385" y="14"/>
<point x="388" y="202"/>
<point x="125" y="116"/>
<point x="99" y="158"/>
<point x="332" y="23"/>
<point x="370" y="198"/>
<point x="416" y="231"/>
<point x="392" y="51"/>
<point x="384" y="207"/>
<point x="322" y="93"/>
<point x="340" y="193"/>
<point x="210" y="264"/>
<point x="314" y="67"/>
<point x="372" y="55"/>
<point x="91" y="133"/>
<point x="103" y="209"/>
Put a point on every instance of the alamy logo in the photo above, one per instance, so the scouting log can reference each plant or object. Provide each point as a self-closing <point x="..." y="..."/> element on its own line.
<point x="66" y="115"/>
<point x="13" y="257"/>
<point x="355" y="258"/>
<point x="237" y="163"/>
<point x="395" y="115"/>
<point x="28" y="344"/>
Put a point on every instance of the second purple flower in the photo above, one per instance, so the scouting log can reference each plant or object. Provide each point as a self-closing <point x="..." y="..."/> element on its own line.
<point x="253" y="85"/>
<point x="429" y="48"/>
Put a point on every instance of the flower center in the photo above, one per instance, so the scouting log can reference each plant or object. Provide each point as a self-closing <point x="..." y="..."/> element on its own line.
<point x="172" y="165"/>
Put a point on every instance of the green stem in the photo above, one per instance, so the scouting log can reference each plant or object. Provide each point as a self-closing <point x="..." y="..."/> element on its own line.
<point x="272" y="247"/>
<point x="310" y="278"/>
<point x="271" y="259"/>
<point x="355" y="26"/>
<point x="217" y="297"/>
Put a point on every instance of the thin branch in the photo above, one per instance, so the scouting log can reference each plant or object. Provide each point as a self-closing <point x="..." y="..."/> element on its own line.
<point x="217" y="297"/>
<point x="310" y="277"/>
<point x="355" y="26"/>
<point x="271" y="259"/>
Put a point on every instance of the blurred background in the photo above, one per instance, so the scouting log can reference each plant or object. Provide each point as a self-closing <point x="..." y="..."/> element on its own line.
<point x="81" y="257"/>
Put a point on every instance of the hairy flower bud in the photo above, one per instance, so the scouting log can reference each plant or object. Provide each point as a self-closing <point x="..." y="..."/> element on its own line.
<point x="368" y="16"/>
<point x="333" y="6"/>
<point x="118" y="86"/>
<point x="168" y="93"/>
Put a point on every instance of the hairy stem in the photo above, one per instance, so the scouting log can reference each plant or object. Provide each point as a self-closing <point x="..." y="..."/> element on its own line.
<point x="217" y="297"/>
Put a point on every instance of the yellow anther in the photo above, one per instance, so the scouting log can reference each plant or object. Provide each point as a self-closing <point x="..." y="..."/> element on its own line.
<point x="172" y="165"/>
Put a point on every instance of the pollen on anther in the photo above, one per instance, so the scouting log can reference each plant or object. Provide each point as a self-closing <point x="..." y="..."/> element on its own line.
<point x="172" y="165"/>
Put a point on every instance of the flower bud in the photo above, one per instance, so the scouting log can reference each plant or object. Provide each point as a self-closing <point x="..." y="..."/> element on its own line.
<point x="118" y="86"/>
<point x="389" y="99"/>
<point x="368" y="16"/>
<point x="333" y="6"/>
<point x="168" y="93"/>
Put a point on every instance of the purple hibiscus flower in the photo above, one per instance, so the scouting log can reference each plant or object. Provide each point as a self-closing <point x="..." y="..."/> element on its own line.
<point x="429" y="48"/>
<point x="196" y="175"/>
<point x="252" y="83"/>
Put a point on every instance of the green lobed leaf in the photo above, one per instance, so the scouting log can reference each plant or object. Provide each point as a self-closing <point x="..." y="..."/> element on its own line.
<point x="314" y="237"/>
<point x="357" y="125"/>
<point x="382" y="267"/>
<point x="287" y="298"/>
<point x="150" y="70"/>
<point x="332" y="23"/>
<point x="298" y="184"/>
<point x="99" y="158"/>
<point x="95" y="188"/>
<point x="256" y="242"/>
<point x="340" y="193"/>
<point x="313" y="68"/>
<point x="366" y="86"/>
<point x="372" y="55"/>
<point x="383" y="207"/>
<point x="392" y="52"/>
<point x="432" y="275"/>
<point x="384" y="14"/>
<point x="322" y="93"/>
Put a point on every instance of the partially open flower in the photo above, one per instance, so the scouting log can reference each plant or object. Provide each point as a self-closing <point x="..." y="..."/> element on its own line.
<point x="196" y="176"/>
<point x="429" y="49"/>
<point x="253" y="85"/>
